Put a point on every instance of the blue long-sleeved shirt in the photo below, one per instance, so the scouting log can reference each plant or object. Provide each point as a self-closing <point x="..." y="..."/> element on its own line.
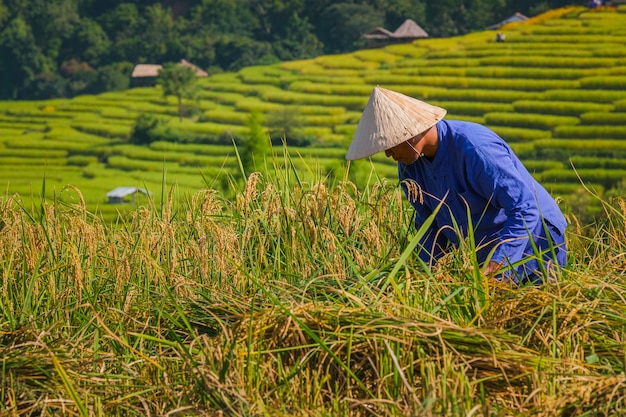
<point x="475" y="168"/>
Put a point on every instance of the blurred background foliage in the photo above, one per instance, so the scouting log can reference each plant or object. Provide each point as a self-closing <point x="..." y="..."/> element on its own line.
<point x="63" y="48"/>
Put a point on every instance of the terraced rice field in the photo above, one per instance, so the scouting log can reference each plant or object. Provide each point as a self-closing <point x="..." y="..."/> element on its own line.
<point x="555" y="90"/>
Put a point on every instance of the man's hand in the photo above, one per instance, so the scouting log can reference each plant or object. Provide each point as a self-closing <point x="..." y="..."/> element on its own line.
<point x="492" y="268"/>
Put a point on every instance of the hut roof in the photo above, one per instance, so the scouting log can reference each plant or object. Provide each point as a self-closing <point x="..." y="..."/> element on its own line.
<point x="517" y="17"/>
<point x="378" y="33"/>
<point x="410" y="29"/>
<point x="407" y="30"/>
<point x="121" y="192"/>
<point x="199" y="71"/>
<point x="152" y="70"/>
<point x="146" y="70"/>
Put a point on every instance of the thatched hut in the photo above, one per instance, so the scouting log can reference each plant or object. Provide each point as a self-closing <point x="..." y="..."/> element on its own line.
<point x="406" y="32"/>
<point x="517" y="17"/>
<point x="145" y="75"/>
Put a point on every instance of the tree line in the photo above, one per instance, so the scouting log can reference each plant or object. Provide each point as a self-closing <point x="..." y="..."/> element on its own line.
<point x="62" y="48"/>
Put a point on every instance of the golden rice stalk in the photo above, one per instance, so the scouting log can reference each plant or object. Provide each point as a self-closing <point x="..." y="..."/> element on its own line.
<point x="414" y="191"/>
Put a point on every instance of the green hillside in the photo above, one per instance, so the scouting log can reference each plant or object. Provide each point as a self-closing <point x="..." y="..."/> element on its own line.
<point x="555" y="90"/>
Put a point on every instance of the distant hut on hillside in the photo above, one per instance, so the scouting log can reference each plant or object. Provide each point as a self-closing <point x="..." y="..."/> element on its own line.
<point x="517" y="17"/>
<point x="378" y="37"/>
<point x="145" y="75"/>
<point x="406" y="32"/>
<point x="120" y="195"/>
<point x="198" y="70"/>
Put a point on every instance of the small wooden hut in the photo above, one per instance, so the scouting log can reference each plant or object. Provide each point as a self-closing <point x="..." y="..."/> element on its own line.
<point x="121" y="195"/>
<point x="406" y="32"/>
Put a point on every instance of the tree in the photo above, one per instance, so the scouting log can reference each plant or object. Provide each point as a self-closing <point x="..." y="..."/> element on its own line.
<point x="149" y="128"/>
<point x="46" y="85"/>
<point x="123" y="25"/>
<point x="397" y="11"/>
<point x="4" y="13"/>
<point x="256" y="145"/>
<point x="157" y="34"/>
<point x="299" y="42"/>
<point x="440" y="18"/>
<point x="177" y="80"/>
<point x="284" y="124"/>
<point x="228" y="28"/>
<point x="112" y="77"/>
<point x="343" y="25"/>
<point x="20" y="58"/>
<point x="454" y="17"/>
<point x="80" y="76"/>
<point x="89" y="43"/>
<point x="236" y="52"/>
<point x="230" y="17"/>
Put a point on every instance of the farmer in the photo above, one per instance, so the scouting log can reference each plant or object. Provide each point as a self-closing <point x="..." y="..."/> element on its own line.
<point x="468" y="169"/>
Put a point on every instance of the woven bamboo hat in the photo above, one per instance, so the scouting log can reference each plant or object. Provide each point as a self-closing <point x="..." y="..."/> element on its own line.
<point x="389" y="119"/>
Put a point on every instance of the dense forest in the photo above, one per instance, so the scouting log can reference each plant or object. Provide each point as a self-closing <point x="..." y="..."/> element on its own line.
<point x="62" y="48"/>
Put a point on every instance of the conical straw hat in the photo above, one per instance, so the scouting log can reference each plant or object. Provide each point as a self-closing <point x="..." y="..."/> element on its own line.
<point x="389" y="119"/>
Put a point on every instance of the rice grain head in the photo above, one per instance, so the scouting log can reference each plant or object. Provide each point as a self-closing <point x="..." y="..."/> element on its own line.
<point x="76" y="273"/>
<point x="414" y="191"/>
<point x="345" y="207"/>
<point x="250" y="193"/>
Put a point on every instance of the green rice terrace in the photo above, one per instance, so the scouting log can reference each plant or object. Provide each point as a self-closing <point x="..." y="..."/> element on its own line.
<point x="291" y="290"/>
<point x="555" y="90"/>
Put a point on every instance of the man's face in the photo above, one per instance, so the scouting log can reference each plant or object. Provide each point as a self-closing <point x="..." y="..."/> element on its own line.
<point x="403" y="152"/>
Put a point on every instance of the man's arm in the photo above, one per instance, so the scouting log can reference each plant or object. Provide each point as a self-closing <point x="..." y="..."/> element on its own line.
<point x="497" y="179"/>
